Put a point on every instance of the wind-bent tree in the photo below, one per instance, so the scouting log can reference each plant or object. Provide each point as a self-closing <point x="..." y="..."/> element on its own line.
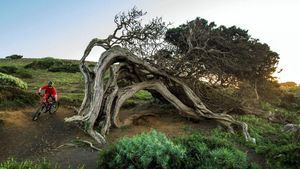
<point x="224" y="56"/>
<point x="129" y="74"/>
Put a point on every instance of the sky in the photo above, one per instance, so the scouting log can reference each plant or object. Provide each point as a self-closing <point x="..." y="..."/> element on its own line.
<point x="62" y="29"/>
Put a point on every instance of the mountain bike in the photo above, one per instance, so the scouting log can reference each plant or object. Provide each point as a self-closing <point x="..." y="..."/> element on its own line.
<point x="51" y="107"/>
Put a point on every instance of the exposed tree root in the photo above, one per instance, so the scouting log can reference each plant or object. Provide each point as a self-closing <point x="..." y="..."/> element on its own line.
<point x="90" y="144"/>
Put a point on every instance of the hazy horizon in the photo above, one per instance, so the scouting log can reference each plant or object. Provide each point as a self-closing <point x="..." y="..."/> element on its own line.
<point x="62" y="29"/>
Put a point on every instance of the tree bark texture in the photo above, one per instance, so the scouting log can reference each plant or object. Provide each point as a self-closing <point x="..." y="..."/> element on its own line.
<point x="104" y="98"/>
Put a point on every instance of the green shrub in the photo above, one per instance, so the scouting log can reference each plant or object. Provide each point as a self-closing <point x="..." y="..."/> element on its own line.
<point x="8" y="69"/>
<point x="44" y="63"/>
<point x="11" y="81"/>
<point x="155" y="150"/>
<point x="14" y="57"/>
<point x="229" y="158"/>
<point x="285" y="156"/>
<point x="152" y="150"/>
<point x="279" y="148"/>
<point x="211" y="152"/>
<point x="11" y="97"/>
<point x="70" y="68"/>
<point x="24" y="74"/>
<point x="143" y="95"/>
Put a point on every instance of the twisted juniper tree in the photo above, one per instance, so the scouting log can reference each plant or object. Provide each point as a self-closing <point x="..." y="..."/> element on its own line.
<point x="130" y="73"/>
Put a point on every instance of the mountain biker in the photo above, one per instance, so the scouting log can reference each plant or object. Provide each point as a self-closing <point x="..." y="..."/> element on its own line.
<point x="49" y="91"/>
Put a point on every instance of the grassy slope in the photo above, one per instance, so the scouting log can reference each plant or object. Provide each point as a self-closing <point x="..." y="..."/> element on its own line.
<point x="69" y="85"/>
<point x="271" y="142"/>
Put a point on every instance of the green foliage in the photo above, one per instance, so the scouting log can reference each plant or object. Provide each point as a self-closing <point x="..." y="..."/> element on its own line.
<point x="238" y="56"/>
<point x="11" y="81"/>
<point x="280" y="114"/>
<point x="70" y="68"/>
<point x="143" y="95"/>
<point x="214" y="151"/>
<point x="27" y="164"/>
<point x="70" y="86"/>
<point x="155" y="150"/>
<point x="285" y="155"/>
<point x="229" y="158"/>
<point x="11" y="97"/>
<point x="22" y="73"/>
<point x="8" y="69"/>
<point x="290" y="100"/>
<point x="152" y="150"/>
<point x="54" y="65"/>
<point x="44" y="63"/>
<point x="70" y="100"/>
<point x="14" y="56"/>
<point x="280" y="148"/>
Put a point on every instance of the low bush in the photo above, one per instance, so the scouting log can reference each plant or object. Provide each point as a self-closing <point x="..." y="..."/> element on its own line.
<point x="14" y="57"/>
<point x="8" y="69"/>
<point x="155" y="150"/>
<point x="152" y="150"/>
<point x="290" y="101"/>
<point x="11" y="81"/>
<point x="11" y="97"/>
<point x="54" y="65"/>
<point x="211" y="152"/>
<point x="143" y="95"/>
<point x="280" y="148"/>
<point x="70" y="68"/>
<point x="24" y="74"/>
<point x="285" y="156"/>
<point x="44" y="63"/>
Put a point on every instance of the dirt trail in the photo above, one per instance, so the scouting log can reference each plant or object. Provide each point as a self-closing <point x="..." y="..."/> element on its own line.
<point x="22" y="138"/>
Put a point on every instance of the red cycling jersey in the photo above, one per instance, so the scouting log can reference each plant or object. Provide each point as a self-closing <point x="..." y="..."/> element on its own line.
<point x="48" y="91"/>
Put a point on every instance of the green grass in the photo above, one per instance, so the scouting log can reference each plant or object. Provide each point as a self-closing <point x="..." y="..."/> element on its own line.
<point x="70" y="86"/>
<point x="280" y="149"/>
<point x="28" y="164"/>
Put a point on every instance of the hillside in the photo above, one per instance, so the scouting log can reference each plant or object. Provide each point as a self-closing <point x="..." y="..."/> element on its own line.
<point x="69" y="85"/>
<point x="60" y="142"/>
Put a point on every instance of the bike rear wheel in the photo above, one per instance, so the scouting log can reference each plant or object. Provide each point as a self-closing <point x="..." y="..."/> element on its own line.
<point x="54" y="107"/>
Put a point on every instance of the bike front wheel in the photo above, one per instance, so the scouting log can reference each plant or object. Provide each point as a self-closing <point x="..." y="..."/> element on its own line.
<point x="38" y="112"/>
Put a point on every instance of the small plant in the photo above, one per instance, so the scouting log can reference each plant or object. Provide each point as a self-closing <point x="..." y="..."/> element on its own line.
<point x="11" y="81"/>
<point x="152" y="150"/>
<point x="143" y="95"/>
<point x="211" y="152"/>
<point x="13" y="164"/>
<point x="28" y="164"/>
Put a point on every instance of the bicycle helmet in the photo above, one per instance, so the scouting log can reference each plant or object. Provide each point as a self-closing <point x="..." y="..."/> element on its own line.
<point x="50" y="83"/>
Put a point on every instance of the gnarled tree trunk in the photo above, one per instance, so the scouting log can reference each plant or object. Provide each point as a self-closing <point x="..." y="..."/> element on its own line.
<point x="103" y="99"/>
